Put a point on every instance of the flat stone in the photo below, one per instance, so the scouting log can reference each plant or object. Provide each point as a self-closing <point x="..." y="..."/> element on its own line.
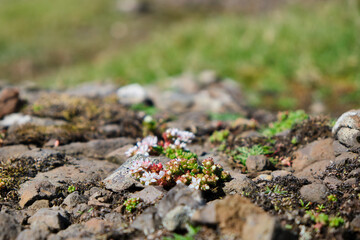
<point x="239" y="184"/>
<point x="132" y="94"/>
<point x="92" y="90"/>
<point x="31" y="191"/>
<point x="38" y="204"/>
<point x="148" y="221"/>
<point x="54" y="218"/>
<point x="314" y="192"/>
<point x="339" y="148"/>
<point x="280" y="173"/>
<point x="150" y="194"/>
<point x="118" y="156"/>
<point x="9" y="227"/>
<point x="313" y="171"/>
<point x="177" y="218"/>
<point x="332" y="182"/>
<point x="257" y="163"/>
<point x="74" y="199"/>
<point x="95" y="148"/>
<point x="13" y="151"/>
<point x="313" y="152"/>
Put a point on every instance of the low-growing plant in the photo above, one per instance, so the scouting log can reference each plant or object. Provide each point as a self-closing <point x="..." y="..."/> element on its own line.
<point x="224" y="116"/>
<point x="303" y="205"/>
<point x="332" y="198"/>
<point x="148" y="109"/>
<point x="285" y="121"/>
<point x="192" y="231"/>
<point x="242" y="153"/>
<point x="71" y="189"/>
<point x="219" y="136"/>
<point x="322" y="219"/>
<point x="276" y="190"/>
<point x="131" y="204"/>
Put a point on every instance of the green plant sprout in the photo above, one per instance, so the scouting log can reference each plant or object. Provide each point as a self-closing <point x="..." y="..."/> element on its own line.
<point x="241" y="154"/>
<point x="219" y="136"/>
<point x="322" y="219"/>
<point x="71" y="189"/>
<point x="303" y="205"/>
<point x="131" y="204"/>
<point x="192" y="231"/>
<point x="285" y="121"/>
<point x="276" y="190"/>
<point x="332" y="198"/>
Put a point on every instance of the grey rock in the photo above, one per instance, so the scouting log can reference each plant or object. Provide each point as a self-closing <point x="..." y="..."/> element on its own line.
<point x="15" y="120"/>
<point x="92" y="90"/>
<point x="111" y="130"/>
<point x="280" y="173"/>
<point x="75" y="231"/>
<point x="174" y="102"/>
<point x="38" y="204"/>
<point x="208" y="77"/>
<point x="33" y="234"/>
<point x="314" y="192"/>
<point x="148" y="221"/>
<point x="239" y="184"/>
<point x="355" y="223"/>
<point x="74" y="199"/>
<point x="339" y="148"/>
<point x="180" y="195"/>
<point x="118" y="156"/>
<point x="132" y="94"/>
<point x="95" y="148"/>
<point x="332" y="182"/>
<point x="257" y="163"/>
<point x="355" y="172"/>
<point x="350" y="181"/>
<point x="14" y="151"/>
<point x="347" y="129"/>
<point x="53" y="218"/>
<point x="313" y="171"/>
<point x="31" y="191"/>
<point x="121" y="178"/>
<point x="150" y="194"/>
<point x="206" y="214"/>
<point x="343" y="157"/>
<point x="46" y="157"/>
<point x="315" y="151"/>
<point x="177" y="218"/>
<point x="9" y="228"/>
<point x="265" y="177"/>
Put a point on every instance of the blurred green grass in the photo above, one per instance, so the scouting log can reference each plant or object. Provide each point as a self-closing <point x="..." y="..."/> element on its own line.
<point x="286" y="58"/>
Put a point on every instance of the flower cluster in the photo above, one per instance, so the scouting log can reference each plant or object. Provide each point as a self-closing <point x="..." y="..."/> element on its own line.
<point x="187" y="171"/>
<point x="173" y="138"/>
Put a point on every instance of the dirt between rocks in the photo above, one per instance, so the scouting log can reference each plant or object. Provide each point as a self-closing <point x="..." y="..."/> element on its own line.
<point x="56" y="152"/>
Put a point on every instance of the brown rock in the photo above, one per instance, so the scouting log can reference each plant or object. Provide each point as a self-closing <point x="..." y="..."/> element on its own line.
<point x="257" y="163"/>
<point x="9" y="101"/>
<point x="314" y="192"/>
<point x="239" y="184"/>
<point x="313" y="171"/>
<point x="150" y="194"/>
<point x="313" y="152"/>
<point x="39" y="204"/>
<point x="95" y="225"/>
<point x="33" y="190"/>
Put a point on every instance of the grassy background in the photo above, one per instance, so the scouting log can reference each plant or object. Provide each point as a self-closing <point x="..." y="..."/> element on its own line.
<point x="285" y="59"/>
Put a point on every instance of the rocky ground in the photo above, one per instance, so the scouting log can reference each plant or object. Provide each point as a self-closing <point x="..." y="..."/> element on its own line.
<point x="64" y="172"/>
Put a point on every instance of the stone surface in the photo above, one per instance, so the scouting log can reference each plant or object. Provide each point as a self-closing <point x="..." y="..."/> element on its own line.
<point x="150" y="194"/>
<point x="92" y="90"/>
<point x="239" y="184"/>
<point x="15" y="120"/>
<point x="148" y="221"/>
<point x="280" y="173"/>
<point x="54" y="218"/>
<point x="315" y="151"/>
<point x="347" y="129"/>
<point x="314" y="192"/>
<point x="34" y="190"/>
<point x="339" y="148"/>
<point x="74" y="199"/>
<point x="7" y="152"/>
<point x="38" y="204"/>
<point x="95" y="148"/>
<point x="121" y="178"/>
<point x="132" y="94"/>
<point x="118" y="156"/>
<point x="9" y="101"/>
<point x="332" y="182"/>
<point x="314" y="171"/>
<point x="257" y="163"/>
<point x="177" y="218"/>
<point x="9" y="228"/>
<point x="355" y="223"/>
<point x="33" y="234"/>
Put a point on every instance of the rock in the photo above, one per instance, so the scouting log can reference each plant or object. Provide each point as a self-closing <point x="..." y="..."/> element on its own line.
<point x="280" y="173"/>
<point x="185" y="83"/>
<point x="92" y="90"/>
<point x="343" y="157"/>
<point x="148" y="221"/>
<point x="355" y="172"/>
<point x="339" y="148"/>
<point x="332" y="182"/>
<point x="97" y="226"/>
<point x="355" y="223"/>
<point x="75" y="231"/>
<point x="238" y="217"/>
<point x="34" y="234"/>
<point x="265" y="177"/>
<point x="350" y="181"/>
<point x="74" y="199"/>
<point x="9" y="228"/>
<point x="314" y="192"/>
<point x="7" y="152"/>
<point x="118" y="156"/>
<point x="257" y="163"/>
<point x="31" y="191"/>
<point x="95" y="148"/>
<point x="315" y="151"/>
<point x="111" y="130"/>
<point x="150" y="194"/>
<point x="177" y="218"/>
<point x="15" y="120"/>
<point x="347" y="129"/>
<point x="180" y="195"/>
<point x="208" y="77"/>
<point x="54" y="218"/>
<point x="174" y="102"/>
<point x="38" y="204"/>
<point x="132" y="94"/>
<point x="239" y="184"/>
<point x="9" y="101"/>
<point x="121" y="178"/>
<point x="313" y="171"/>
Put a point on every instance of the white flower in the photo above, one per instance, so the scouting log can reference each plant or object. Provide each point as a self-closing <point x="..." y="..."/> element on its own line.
<point x="183" y="136"/>
<point x="148" y="178"/>
<point x="150" y="141"/>
<point x="139" y="166"/>
<point x="195" y="183"/>
<point x="131" y="151"/>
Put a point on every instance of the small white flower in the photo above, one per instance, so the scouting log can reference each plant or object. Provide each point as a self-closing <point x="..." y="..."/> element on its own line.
<point x="131" y="151"/>
<point x="195" y="183"/>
